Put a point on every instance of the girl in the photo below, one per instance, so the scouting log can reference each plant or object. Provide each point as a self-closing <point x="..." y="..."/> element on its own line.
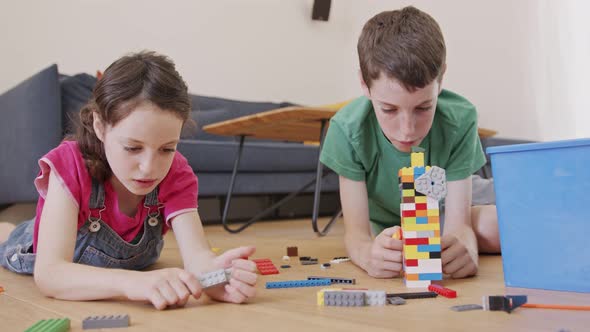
<point x="108" y="195"/>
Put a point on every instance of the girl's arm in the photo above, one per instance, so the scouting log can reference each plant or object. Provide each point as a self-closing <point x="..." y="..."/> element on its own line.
<point x="459" y="244"/>
<point x="57" y="276"/>
<point x="380" y="257"/>
<point x="198" y="259"/>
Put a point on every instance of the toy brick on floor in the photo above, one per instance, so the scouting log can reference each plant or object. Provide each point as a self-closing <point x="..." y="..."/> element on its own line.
<point x="396" y="300"/>
<point x="350" y="297"/>
<point x="105" y="322"/>
<point x="298" y="283"/>
<point x="215" y="278"/>
<point x="344" y="298"/>
<point x="292" y="251"/>
<point x="446" y="292"/>
<point x="421" y="189"/>
<point x="265" y="266"/>
<point x="375" y="298"/>
<point x="335" y="280"/>
<point x="466" y="307"/>
<point x="414" y="295"/>
<point x="338" y="260"/>
<point x="503" y="303"/>
<point x="50" y="325"/>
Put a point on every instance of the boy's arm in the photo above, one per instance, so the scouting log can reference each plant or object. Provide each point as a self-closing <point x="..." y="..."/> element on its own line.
<point x="459" y="244"/>
<point x="381" y="257"/>
<point x="57" y="276"/>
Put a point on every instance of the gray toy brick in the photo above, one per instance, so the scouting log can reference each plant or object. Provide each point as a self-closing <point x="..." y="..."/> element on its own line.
<point x="214" y="278"/>
<point x="396" y="300"/>
<point x="375" y="298"/>
<point x="344" y="299"/>
<point x="432" y="183"/>
<point x="466" y="307"/>
<point x="105" y="322"/>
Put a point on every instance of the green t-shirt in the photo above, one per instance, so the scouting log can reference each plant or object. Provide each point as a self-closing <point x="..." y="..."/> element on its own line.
<point x="356" y="148"/>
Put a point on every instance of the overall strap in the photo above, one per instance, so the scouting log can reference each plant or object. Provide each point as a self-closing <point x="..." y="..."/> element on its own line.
<point x="96" y="196"/>
<point x="151" y="199"/>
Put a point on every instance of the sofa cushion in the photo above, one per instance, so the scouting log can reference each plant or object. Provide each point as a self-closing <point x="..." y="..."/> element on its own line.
<point x="211" y="156"/>
<point x="208" y="110"/>
<point x="75" y="92"/>
<point x="30" y="127"/>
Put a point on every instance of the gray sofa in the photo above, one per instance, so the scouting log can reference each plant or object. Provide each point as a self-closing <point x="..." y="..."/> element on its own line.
<point x="39" y="111"/>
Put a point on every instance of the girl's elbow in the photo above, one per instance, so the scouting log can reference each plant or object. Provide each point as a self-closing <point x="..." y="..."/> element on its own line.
<point x="46" y="281"/>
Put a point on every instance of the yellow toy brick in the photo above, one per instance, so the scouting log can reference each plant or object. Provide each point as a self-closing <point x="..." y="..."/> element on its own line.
<point x="433" y="212"/>
<point x="420" y="199"/>
<point x="417" y="159"/>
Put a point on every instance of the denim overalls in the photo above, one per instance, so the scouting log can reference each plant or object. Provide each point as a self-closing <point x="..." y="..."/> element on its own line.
<point x="96" y="243"/>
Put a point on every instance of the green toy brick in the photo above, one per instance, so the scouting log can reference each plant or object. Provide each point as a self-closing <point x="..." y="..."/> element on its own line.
<point x="50" y="325"/>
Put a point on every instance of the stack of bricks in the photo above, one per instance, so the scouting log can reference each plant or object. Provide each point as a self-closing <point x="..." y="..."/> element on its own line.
<point x="421" y="188"/>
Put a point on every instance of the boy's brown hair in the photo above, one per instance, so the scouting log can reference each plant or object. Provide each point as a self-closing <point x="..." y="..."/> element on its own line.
<point x="405" y="44"/>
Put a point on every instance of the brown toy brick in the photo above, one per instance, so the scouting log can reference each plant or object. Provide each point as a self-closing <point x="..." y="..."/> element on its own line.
<point x="292" y="251"/>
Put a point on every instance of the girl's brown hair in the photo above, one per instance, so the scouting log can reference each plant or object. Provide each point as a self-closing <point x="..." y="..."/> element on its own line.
<point x="127" y="82"/>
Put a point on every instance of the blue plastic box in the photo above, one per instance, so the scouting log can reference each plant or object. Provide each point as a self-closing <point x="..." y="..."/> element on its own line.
<point x="543" y="202"/>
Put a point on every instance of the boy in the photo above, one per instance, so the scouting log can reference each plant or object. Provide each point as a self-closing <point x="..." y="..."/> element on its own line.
<point x="402" y="63"/>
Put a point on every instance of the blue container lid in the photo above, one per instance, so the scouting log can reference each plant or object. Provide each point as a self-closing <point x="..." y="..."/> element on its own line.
<point x="539" y="146"/>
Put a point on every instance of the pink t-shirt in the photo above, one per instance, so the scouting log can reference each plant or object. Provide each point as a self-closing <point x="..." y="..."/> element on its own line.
<point x="177" y="191"/>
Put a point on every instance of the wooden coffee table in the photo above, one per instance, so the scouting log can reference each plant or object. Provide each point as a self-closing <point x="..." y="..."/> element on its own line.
<point x="294" y="124"/>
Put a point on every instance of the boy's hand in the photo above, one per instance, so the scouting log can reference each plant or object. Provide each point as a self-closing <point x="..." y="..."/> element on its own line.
<point x="242" y="284"/>
<point x="459" y="253"/>
<point x="384" y="257"/>
<point x="164" y="288"/>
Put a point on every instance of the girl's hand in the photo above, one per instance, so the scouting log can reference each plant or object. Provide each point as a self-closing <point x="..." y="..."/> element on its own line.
<point x="164" y="288"/>
<point x="241" y="286"/>
<point x="384" y="256"/>
<point x="459" y="253"/>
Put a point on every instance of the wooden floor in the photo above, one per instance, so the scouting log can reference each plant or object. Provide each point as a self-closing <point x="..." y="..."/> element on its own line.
<point x="21" y="305"/>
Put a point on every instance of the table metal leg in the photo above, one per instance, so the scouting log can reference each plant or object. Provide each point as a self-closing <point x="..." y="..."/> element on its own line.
<point x="267" y="210"/>
<point x="318" y="191"/>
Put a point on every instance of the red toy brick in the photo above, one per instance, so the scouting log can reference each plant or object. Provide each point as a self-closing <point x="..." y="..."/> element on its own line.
<point x="446" y="292"/>
<point x="416" y="241"/>
<point x="408" y="213"/>
<point x="411" y="262"/>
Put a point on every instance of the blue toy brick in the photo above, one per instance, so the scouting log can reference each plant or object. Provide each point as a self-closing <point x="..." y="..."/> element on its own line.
<point x="344" y="299"/>
<point x="421" y="220"/>
<point x="105" y="322"/>
<point x="430" y="276"/>
<point x="50" y="325"/>
<point x="298" y="283"/>
<point x="419" y="171"/>
<point x="429" y="247"/>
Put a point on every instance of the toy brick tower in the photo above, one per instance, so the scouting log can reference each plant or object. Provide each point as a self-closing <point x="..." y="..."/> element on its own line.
<point x="421" y="189"/>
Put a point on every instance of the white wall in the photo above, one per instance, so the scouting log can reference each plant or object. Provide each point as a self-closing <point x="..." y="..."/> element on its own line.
<point x="524" y="70"/>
